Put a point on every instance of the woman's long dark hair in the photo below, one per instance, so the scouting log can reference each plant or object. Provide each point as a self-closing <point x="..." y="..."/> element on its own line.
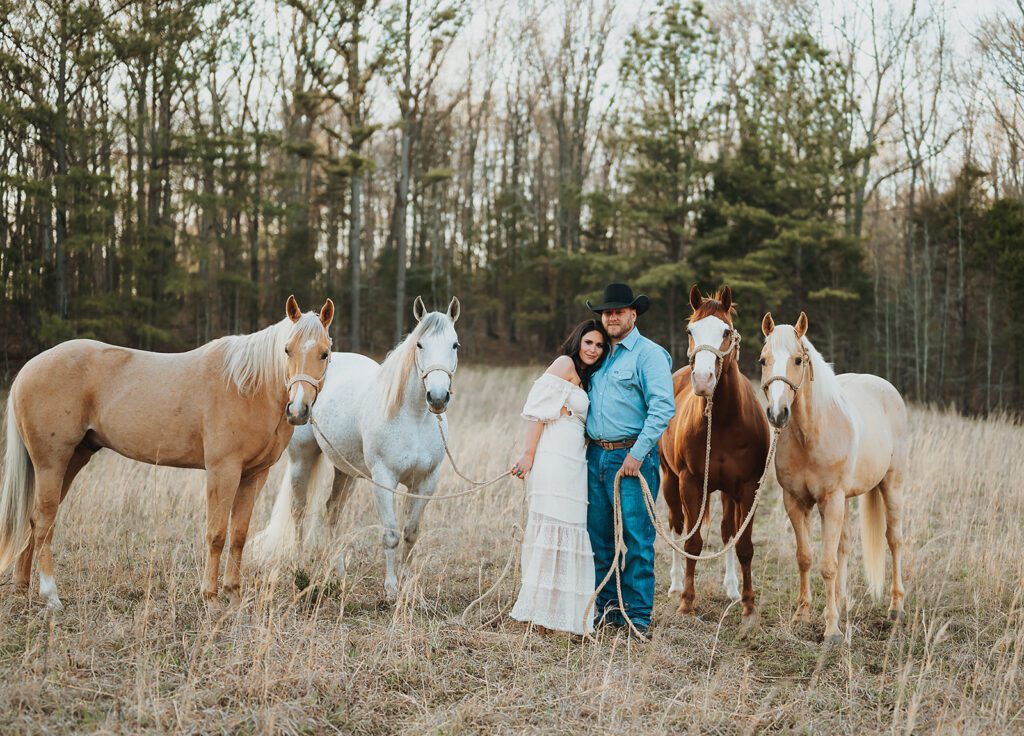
<point x="571" y="347"/>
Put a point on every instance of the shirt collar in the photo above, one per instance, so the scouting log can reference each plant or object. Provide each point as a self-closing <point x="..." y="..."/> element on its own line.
<point x="631" y="339"/>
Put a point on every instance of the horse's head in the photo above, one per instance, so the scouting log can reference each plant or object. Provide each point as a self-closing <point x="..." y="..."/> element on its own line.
<point x="308" y="352"/>
<point x="437" y="353"/>
<point x="785" y="363"/>
<point x="710" y="326"/>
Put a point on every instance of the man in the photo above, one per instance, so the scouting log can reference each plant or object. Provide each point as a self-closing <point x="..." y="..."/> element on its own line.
<point x="631" y="403"/>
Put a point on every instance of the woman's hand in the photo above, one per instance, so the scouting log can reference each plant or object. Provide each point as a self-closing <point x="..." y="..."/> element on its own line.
<point x="523" y="465"/>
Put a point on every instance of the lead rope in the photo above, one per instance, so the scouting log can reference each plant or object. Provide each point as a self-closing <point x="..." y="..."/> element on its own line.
<point x="477" y="486"/>
<point x="619" y="559"/>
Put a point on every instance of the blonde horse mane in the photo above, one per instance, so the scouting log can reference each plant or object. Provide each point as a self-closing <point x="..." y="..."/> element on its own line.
<point x="257" y="360"/>
<point x="826" y="393"/>
<point x="395" y="370"/>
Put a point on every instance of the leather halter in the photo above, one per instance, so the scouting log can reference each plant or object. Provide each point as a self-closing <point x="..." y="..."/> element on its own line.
<point x="720" y="355"/>
<point x="806" y="367"/>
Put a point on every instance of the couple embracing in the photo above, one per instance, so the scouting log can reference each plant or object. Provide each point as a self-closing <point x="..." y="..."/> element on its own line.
<point x="600" y="407"/>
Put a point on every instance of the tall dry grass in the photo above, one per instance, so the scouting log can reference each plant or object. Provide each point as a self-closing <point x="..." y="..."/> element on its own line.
<point x="135" y="651"/>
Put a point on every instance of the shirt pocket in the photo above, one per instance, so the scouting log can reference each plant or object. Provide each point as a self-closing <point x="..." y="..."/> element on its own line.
<point x="623" y="376"/>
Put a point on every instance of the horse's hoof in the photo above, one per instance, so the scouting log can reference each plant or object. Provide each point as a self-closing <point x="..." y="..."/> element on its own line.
<point x="391" y="593"/>
<point x="895" y="615"/>
<point x="213" y="606"/>
<point x="748" y="625"/>
<point x="685" y="606"/>
<point x="339" y="567"/>
<point x="54" y="604"/>
<point x="675" y="592"/>
<point x="733" y="594"/>
<point x="802" y="616"/>
<point x="833" y="640"/>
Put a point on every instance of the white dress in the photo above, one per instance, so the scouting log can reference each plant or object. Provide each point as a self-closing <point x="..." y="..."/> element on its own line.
<point x="558" y="562"/>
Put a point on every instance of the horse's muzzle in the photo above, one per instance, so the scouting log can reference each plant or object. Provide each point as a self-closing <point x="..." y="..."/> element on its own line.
<point x="299" y="418"/>
<point x="703" y="384"/>
<point x="779" y="419"/>
<point x="438" y="403"/>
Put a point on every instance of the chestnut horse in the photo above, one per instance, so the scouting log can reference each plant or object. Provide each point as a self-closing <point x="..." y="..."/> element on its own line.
<point x="739" y="447"/>
<point x="845" y="436"/>
<point x="221" y="407"/>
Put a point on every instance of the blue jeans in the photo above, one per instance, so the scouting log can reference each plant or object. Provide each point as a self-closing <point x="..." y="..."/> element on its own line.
<point x="638" y="534"/>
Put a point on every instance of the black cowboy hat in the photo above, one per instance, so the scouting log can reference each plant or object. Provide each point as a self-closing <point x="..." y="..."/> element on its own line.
<point x="620" y="296"/>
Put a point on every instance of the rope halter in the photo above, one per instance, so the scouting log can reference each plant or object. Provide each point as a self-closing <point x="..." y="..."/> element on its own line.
<point x="720" y="355"/>
<point x="806" y="368"/>
<point x="316" y="383"/>
<point x="424" y="372"/>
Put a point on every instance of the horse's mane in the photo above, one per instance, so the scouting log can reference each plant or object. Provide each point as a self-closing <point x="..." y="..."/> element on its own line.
<point x="257" y="360"/>
<point x="826" y="393"/>
<point x="395" y="370"/>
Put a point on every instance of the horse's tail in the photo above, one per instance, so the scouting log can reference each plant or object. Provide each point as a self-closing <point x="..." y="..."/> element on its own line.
<point x="872" y="540"/>
<point x="17" y="493"/>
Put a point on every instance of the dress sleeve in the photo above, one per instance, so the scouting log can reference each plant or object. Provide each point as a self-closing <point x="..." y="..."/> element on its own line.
<point x="547" y="397"/>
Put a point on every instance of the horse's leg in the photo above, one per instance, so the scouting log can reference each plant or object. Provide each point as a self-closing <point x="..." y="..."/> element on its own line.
<point x="844" y="556"/>
<point x="283" y="532"/>
<point x="833" y="510"/>
<point x="222" y="482"/>
<point x="341" y="491"/>
<point x="241" y="514"/>
<point x="798" y="514"/>
<point x="745" y="552"/>
<point x="892" y="492"/>
<point x="670" y="490"/>
<point x="49" y="490"/>
<point x="385" y="502"/>
<point x="728" y="528"/>
<point x="693" y="515"/>
<point x="23" y="567"/>
<point x="411" y="532"/>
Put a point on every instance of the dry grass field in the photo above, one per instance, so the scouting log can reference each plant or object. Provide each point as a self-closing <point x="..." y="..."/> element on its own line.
<point x="134" y="651"/>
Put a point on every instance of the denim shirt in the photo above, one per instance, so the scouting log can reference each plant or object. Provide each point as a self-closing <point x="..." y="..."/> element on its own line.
<point x="631" y="394"/>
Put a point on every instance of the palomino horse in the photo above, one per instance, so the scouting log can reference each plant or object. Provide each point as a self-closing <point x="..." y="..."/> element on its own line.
<point x="846" y="437"/>
<point x="739" y="447"/>
<point x="373" y="420"/>
<point x="221" y="407"/>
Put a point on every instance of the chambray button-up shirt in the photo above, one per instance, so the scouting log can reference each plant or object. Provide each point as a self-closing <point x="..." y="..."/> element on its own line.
<point x="631" y="394"/>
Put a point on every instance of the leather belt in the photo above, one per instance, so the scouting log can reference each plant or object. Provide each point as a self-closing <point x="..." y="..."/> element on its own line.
<point x="616" y="445"/>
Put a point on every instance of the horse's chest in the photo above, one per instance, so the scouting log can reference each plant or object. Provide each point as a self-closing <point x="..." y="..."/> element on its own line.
<point x="410" y="453"/>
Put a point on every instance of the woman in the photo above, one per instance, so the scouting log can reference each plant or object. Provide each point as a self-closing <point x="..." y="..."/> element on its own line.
<point x="558" y="563"/>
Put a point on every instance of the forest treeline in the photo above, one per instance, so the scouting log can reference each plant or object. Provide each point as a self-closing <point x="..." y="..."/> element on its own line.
<point x="170" y="170"/>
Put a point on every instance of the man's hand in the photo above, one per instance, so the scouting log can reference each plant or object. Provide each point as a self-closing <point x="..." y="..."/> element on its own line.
<point x="631" y="466"/>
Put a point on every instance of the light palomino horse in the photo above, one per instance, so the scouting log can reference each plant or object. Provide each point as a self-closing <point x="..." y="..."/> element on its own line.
<point x="221" y="407"/>
<point x="739" y="450"/>
<point x="377" y="420"/>
<point x="845" y="436"/>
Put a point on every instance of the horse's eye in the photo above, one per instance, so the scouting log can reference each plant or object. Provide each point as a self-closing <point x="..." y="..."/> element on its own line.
<point x="455" y="346"/>
<point x="419" y="346"/>
<point x="799" y="361"/>
<point x="762" y="361"/>
<point x="287" y="352"/>
<point x="323" y="356"/>
<point x="726" y="333"/>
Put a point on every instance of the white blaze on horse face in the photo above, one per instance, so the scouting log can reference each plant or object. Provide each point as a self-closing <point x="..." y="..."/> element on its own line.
<point x="708" y="331"/>
<point x="778" y="389"/>
<point x="295" y="407"/>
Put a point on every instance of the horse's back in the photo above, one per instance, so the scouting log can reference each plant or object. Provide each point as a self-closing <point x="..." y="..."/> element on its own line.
<point x="882" y="417"/>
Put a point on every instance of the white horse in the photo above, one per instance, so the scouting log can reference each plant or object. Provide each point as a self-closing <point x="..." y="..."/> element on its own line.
<point x="379" y="420"/>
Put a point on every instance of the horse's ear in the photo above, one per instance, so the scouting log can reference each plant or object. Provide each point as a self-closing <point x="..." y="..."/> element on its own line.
<point x="291" y="308"/>
<point x="767" y="324"/>
<point x="327" y="313"/>
<point x="727" y="298"/>
<point x="454" y="309"/>
<point x="419" y="309"/>
<point x="695" y="297"/>
<point x="801" y="326"/>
